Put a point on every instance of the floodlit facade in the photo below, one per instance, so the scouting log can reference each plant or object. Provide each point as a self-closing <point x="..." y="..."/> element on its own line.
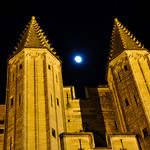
<point x="42" y="114"/>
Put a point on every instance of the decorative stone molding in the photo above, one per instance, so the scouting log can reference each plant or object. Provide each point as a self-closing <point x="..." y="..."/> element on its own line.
<point x="33" y="54"/>
<point x="137" y="56"/>
<point x="118" y="60"/>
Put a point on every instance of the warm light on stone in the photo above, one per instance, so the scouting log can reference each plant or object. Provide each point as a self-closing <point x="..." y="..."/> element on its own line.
<point x="42" y="114"/>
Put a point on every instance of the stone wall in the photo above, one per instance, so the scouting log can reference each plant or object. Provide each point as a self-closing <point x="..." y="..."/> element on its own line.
<point x="2" y="120"/>
<point x="126" y="81"/>
<point x="72" y="110"/>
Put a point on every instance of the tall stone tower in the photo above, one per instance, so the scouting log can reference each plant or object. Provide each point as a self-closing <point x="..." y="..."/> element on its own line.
<point x="34" y="97"/>
<point x="129" y="81"/>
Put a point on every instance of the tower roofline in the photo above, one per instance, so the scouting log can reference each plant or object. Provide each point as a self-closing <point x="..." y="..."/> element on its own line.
<point x="33" y="37"/>
<point x="122" y="39"/>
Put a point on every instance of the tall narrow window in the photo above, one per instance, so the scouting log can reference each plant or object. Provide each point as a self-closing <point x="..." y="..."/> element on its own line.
<point x="145" y="132"/>
<point x="71" y="92"/>
<point x="51" y="100"/>
<point x="125" y="68"/>
<point x="19" y="99"/>
<point x="53" y="132"/>
<point x="49" y="67"/>
<point x="119" y="76"/>
<point x="135" y="100"/>
<point x="115" y="124"/>
<point x="67" y="98"/>
<point x="20" y="66"/>
<point x="12" y="101"/>
<point x="57" y="101"/>
<point x="127" y="102"/>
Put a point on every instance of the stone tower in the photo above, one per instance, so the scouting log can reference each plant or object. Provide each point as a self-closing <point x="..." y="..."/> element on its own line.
<point x="128" y="78"/>
<point x="34" y="97"/>
<point x="41" y="114"/>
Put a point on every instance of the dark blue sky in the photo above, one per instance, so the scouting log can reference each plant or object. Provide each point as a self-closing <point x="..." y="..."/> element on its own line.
<point x="74" y="28"/>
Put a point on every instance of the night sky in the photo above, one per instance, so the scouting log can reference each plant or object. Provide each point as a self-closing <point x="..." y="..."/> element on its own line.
<point x="73" y="28"/>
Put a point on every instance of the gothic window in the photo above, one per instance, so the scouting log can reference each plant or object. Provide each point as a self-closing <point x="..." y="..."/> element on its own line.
<point x="127" y="102"/>
<point x="125" y="68"/>
<point x="53" y="132"/>
<point x="145" y="132"/>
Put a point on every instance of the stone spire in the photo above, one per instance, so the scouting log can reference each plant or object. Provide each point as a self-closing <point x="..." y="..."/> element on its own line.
<point x="33" y="37"/>
<point x="122" y="40"/>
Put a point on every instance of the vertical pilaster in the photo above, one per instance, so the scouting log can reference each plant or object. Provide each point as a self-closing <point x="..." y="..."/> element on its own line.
<point x="30" y="95"/>
<point x="117" y="102"/>
<point x="47" y="100"/>
<point x="140" y="69"/>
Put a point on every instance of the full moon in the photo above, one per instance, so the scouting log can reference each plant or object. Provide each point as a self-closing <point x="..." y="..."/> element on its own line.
<point x="78" y="59"/>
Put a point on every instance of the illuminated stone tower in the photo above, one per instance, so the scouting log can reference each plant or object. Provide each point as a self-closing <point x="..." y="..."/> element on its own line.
<point x="41" y="114"/>
<point x="129" y="80"/>
<point x="34" y="100"/>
